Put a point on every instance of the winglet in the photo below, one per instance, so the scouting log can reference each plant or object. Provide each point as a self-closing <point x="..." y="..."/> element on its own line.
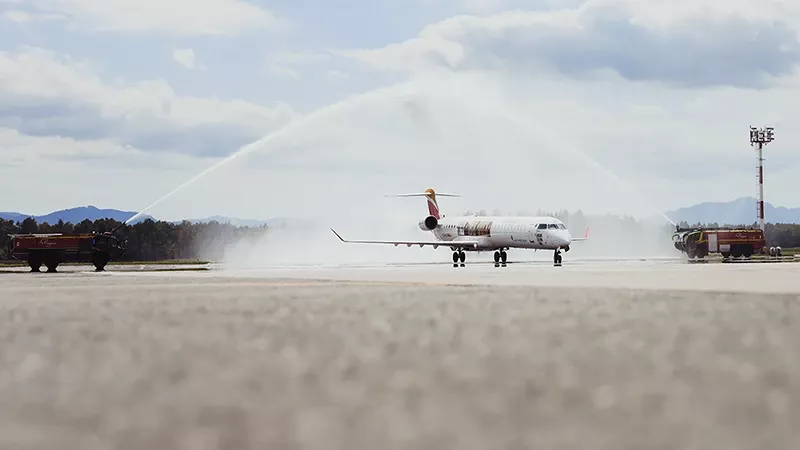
<point x="585" y="236"/>
<point x="337" y="235"/>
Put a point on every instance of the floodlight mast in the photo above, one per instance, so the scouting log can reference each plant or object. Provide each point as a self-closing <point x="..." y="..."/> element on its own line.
<point x="759" y="137"/>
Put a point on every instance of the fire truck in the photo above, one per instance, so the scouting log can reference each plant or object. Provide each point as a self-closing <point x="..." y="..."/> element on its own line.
<point x="53" y="249"/>
<point x="699" y="242"/>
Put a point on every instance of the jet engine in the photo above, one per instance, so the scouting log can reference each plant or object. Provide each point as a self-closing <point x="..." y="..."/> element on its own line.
<point x="429" y="224"/>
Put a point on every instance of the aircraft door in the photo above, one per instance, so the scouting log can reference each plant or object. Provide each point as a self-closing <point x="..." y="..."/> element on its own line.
<point x="535" y="235"/>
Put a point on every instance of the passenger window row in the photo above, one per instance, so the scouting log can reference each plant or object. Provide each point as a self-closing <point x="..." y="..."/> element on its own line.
<point x="519" y="227"/>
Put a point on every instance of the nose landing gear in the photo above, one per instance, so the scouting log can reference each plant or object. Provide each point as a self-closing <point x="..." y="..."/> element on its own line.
<point x="557" y="257"/>
<point x="459" y="256"/>
<point x="500" y="256"/>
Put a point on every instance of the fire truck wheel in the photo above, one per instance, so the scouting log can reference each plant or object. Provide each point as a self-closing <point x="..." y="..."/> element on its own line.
<point x="736" y="250"/>
<point x="99" y="260"/>
<point x="35" y="263"/>
<point x="726" y="254"/>
<point x="747" y="251"/>
<point x="51" y="260"/>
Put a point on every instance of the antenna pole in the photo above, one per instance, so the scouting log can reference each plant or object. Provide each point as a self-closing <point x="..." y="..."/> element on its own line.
<point x="759" y="137"/>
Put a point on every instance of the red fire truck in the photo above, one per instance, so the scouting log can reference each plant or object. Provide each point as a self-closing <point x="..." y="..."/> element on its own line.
<point x="53" y="249"/>
<point x="699" y="242"/>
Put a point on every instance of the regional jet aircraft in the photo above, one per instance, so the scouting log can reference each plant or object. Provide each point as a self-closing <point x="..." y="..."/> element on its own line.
<point x="484" y="233"/>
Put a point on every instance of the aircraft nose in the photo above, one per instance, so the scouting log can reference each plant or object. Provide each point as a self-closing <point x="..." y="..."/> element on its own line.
<point x="564" y="238"/>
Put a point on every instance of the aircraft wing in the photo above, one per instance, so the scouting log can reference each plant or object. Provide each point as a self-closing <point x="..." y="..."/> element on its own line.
<point x="434" y="244"/>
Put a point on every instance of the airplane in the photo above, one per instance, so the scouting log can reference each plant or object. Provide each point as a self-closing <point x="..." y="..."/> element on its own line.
<point x="485" y="233"/>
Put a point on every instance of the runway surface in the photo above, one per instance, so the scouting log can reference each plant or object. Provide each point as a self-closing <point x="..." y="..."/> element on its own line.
<point x="613" y="355"/>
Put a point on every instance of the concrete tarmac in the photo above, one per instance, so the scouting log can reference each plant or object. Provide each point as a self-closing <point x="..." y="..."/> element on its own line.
<point x="586" y="356"/>
<point x="649" y="274"/>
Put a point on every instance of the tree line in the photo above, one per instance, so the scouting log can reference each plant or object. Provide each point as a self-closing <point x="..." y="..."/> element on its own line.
<point x="148" y="240"/>
<point x="152" y="240"/>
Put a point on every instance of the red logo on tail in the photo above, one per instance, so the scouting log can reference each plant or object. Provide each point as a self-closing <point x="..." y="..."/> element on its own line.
<point x="433" y="208"/>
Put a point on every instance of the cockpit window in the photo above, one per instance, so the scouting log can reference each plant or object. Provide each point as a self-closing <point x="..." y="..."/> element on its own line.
<point x="561" y="226"/>
<point x="552" y="226"/>
<point x="542" y="226"/>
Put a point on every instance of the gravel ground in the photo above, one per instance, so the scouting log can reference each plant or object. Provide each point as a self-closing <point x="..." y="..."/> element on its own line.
<point x="92" y="362"/>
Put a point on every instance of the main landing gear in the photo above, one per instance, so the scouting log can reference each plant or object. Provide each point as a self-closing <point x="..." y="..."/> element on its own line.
<point x="500" y="256"/>
<point x="459" y="256"/>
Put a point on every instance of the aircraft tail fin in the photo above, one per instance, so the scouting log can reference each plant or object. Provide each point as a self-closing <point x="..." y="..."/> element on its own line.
<point x="585" y="236"/>
<point x="430" y="195"/>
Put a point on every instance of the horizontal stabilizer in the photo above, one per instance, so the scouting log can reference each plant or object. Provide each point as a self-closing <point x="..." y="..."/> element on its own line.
<point x="425" y="194"/>
<point x="434" y="244"/>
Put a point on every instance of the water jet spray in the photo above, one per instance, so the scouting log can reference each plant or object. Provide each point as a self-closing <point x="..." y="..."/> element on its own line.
<point x="445" y="123"/>
<point x="291" y="126"/>
<point x="592" y="162"/>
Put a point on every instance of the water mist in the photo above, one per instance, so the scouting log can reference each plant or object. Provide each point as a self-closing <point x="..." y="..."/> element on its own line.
<point x="333" y="168"/>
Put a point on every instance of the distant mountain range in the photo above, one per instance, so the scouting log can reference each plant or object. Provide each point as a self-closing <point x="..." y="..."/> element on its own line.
<point x="741" y="211"/>
<point x="77" y="215"/>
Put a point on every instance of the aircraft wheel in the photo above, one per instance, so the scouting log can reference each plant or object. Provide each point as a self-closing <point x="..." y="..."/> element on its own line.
<point x="455" y="259"/>
<point x="503" y="256"/>
<point x="557" y="258"/>
<point x="496" y="257"/>
<point x="463" y="257"/>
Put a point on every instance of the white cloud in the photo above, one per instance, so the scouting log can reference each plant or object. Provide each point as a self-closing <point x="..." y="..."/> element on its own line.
<point x="607" y="80"/>
<point x="43" y="94"/>
<point x="411" y="55"/>
<point x="336" y="74"/>
<point x="52" y="172"/>
<point x="32" y="151"/>
<point x="294" y="65"/>
<point x="282" y="71"/>
<point x="518" y="110"/>
<point x="685" y="42"/>
<point x="481" y="6"/>
<point x="302" y="58"/>
<point x="186" y="58"/>
<point x="23" y="17"/>
<point x="289" y="64"/>
<point x="180" y="17"/>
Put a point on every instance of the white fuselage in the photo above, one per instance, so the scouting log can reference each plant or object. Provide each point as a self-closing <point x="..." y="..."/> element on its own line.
<point x="493" y="233"/>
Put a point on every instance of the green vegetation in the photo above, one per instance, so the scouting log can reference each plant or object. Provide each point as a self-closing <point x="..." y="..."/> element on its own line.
<point x="148" y="241"/>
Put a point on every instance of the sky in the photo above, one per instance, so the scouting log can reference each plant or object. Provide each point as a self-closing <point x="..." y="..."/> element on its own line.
<point x="632" y="106"/>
